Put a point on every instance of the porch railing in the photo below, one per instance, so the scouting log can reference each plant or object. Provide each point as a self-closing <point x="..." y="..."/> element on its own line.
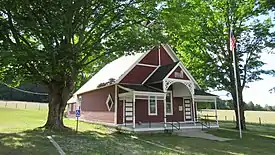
<point x="173" y="124"/>
<point x="205" y="120"/>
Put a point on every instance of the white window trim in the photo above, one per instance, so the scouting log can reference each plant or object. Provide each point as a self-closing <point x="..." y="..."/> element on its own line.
<point x="108" y="99"/>
<point x="156" y="107"/>
<point x="171" y="98"/>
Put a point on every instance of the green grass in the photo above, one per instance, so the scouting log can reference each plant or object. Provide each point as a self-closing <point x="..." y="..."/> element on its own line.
<point x="17" y="136"/>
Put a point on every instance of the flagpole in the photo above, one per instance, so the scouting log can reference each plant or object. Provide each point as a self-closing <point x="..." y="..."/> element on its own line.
<point x="237" y="91"/>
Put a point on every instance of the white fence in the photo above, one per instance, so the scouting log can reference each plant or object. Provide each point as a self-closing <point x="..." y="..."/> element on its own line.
<point x="23" y="105"/>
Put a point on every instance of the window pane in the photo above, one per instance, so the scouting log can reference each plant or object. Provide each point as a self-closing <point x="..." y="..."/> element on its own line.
<point x="152" y="104"/>
<point x="168" y="107"/>
<point x="168" y="97"/>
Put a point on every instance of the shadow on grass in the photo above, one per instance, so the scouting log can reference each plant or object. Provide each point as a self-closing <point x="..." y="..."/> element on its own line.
<point x="26" y="142"/>
<point x="96" y="142"/>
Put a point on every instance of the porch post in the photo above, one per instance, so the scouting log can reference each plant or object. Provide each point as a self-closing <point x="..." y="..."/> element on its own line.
<point x="164" y="104"/>
<point x="115" y="113"/>
<point x="196" y="103"/>
<point x="134" y="111"/>
<point x="216" y="114"/>
<point x="193" y="103"/>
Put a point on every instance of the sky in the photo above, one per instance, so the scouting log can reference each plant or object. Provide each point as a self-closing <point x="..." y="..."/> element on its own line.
<point x="258" y="91"/>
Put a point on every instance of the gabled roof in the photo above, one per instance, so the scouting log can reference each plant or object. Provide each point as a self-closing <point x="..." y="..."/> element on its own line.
<point x="120" y="67"/>
<point x="161" y="73"/>
<point x="140" y="87"/>
<point x="114" y="69"/>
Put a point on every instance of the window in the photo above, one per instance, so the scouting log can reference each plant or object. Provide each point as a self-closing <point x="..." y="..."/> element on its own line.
<point x="152" y="105"/>
<point x="169" y="103"/>
<point x="109" y="102"/>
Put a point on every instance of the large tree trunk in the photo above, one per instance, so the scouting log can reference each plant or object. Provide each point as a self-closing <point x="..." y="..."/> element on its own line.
<point x="58" y="97"/>
<point x="242" y="116"/>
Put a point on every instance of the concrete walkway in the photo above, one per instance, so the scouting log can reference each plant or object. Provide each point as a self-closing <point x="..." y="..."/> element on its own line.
<point x="200" y="134"/>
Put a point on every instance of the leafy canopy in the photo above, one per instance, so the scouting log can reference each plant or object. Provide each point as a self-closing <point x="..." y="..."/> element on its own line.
<point x="56" y="40"/>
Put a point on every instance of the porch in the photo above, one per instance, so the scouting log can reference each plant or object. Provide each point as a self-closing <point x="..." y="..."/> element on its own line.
<point x="147" y="109"/>
<point x="172" y="126"/>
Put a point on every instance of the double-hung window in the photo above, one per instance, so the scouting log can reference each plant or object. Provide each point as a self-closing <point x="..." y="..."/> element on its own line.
<point x="169" y="103"/>
<point x="152" y="105"/>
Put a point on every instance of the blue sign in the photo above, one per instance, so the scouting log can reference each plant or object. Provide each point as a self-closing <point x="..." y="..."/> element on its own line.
<point x="77" y="113"/>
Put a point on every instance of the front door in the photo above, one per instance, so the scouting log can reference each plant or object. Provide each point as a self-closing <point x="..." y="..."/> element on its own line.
<point x="187" y="110"/>
<point x="128" y="110"/>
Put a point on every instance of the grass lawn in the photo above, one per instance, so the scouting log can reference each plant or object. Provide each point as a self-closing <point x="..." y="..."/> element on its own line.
<point x="17" y="136"/>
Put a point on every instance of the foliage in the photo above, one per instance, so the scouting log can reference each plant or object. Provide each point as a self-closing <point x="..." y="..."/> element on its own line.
<point x="109" y="82"/>
<point x="200" y="32"/>
<point x="57" y="43"/>
<point x="7" y="93"/>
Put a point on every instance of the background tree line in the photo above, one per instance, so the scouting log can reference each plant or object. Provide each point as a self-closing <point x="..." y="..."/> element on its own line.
<point x="28" y="93"/>
<point x="228" y="105"/>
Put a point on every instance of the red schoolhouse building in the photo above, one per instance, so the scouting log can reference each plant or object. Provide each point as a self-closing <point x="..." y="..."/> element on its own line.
<point x="146" y="91"/>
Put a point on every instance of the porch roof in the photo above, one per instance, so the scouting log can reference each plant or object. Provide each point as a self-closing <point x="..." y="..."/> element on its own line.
<point x="140" y="87"/>
<point x="203" y="93"/>
<point x="161" y="72"/>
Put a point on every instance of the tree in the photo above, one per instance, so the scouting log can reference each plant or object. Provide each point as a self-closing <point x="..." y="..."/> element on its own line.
<point x="258" y="107"/>
<point x="109" y="82"/>
<point x="250" y="106"/>
<point x="55" y="43"/>
<point x="200" y="32"/>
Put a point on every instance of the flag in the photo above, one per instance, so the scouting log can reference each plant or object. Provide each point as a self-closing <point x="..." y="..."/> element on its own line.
<point x="232" y="40"/>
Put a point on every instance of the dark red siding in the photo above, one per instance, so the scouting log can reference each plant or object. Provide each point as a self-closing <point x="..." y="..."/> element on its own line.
<point x="179" y="70"/>
<point x="165" y="59"/>
<point x="119" y="112"/>
<point x="142" y="112"/>
<point x="177" y="115"/>
<point x="138" y="74"/>
<point x="94" y="108"/>
<point x="152" y="57"/>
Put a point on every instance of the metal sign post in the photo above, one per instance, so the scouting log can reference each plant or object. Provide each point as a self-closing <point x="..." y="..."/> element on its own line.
<point x="77" y="114"/>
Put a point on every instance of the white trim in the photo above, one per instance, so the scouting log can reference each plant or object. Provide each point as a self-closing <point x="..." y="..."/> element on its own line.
<point x="175" y="67"/>
<point x="123" y="104"/>
<point x="95" y="89"/>
<point x="115" y="114"/>
<point x="196" y="103"/>
<point x="134" y="111"/>
<point x="156" y="106"/>
<point x="150" y="75"/>
<point x="148" y="93"/>
<point x="167" y="47"/>
<point x="159" y="55"/>
<point x="133" y="65"/>
<point x="162" y="128"/>
<point x="171" y="98"/>
<point x="147" y="65"/>
<point x="183" y="109"/>
<point x="164" y="104"/>
<point x="198" y="97"/>
<point x="193" y="103"/>
<point x="108" y="99"/>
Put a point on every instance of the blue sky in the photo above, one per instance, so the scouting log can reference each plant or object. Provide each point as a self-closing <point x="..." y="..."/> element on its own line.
<point x="258" y="91"/>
